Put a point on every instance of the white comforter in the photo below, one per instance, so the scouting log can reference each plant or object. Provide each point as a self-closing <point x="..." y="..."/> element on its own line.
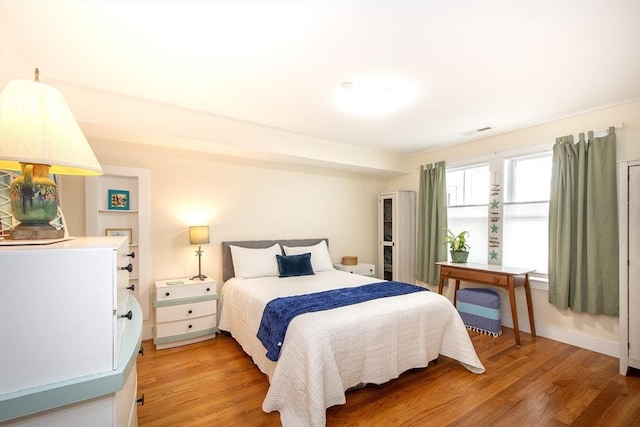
<point x="325" y="353"/>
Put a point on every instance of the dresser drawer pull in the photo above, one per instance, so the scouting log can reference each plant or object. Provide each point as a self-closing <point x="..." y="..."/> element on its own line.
<point x="132" y="287"/>
<point x="208" y="289"/>
<point x="129" y="268"/>
<point x="167" y="294"/>
<point x="141" y="351"/>
<point x="132" y="255"/>
<point x="129" y="315"/>
<point x="190" y="326"/>
<point x="140" y="401"/>
<point x="190" y="311"/>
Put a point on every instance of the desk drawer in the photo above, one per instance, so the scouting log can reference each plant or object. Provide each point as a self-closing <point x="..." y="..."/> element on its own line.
<point x="489" y="278"/>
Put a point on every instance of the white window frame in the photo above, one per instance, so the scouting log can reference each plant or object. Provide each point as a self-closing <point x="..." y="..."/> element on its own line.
<point x="538" y="281"/>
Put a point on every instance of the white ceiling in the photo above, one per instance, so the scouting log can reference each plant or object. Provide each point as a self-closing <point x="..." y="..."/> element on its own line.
<point x="279" y="64"/>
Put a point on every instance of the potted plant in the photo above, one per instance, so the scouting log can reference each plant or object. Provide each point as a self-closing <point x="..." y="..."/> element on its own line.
<point x="457" y="245"/>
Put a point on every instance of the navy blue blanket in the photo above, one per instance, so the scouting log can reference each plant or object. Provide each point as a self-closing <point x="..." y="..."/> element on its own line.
<point x="280" y="312"/>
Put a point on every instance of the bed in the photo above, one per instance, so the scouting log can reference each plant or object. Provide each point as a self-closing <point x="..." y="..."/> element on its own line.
<point x="325" y="353"/>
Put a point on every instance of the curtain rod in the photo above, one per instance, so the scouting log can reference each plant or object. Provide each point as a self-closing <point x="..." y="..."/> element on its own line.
<point x="549" y="144"/>
<point x="618" y="126"/>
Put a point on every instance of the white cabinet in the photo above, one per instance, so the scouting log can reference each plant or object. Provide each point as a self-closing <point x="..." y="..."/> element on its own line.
<point x="119" y="218"/>
<point x="397" y="236"/>
<point x="629" y="200"/>
<point x="185" y="312"/>
<point x="359" y="268"/>
<point x="70" y="333"/>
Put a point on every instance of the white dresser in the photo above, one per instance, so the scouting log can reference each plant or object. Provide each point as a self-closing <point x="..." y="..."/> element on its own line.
<point x="70" y="333"/>
<point x="185" y="312"/>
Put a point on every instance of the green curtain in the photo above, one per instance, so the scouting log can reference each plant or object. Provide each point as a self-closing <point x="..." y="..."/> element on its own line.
<point x="432" y="221"/>
<point x="583" y="225"/>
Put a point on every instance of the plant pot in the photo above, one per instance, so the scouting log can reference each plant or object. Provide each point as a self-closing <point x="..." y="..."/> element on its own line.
<point x="459" y="256"/>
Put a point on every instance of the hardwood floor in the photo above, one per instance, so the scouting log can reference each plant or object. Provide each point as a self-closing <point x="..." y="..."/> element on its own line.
<point x="541" y="383"/>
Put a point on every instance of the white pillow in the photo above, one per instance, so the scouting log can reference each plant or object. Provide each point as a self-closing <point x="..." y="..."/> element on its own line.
<point x="251" y="262"/>
<point x="320" y="259"/>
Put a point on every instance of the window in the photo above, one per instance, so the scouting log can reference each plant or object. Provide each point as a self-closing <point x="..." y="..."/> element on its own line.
<point x="467" y="200"/>
<point x="526" y="212"/>
<point x="523" y="212"/>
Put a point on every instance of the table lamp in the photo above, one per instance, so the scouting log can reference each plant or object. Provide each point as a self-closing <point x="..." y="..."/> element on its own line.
<point x="199" y="235"/>
<point x="39" y="136"/>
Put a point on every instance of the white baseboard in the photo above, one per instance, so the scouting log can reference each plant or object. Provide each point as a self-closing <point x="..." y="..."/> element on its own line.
<point x="599" y="345"/>
<point x="147" y="331"/>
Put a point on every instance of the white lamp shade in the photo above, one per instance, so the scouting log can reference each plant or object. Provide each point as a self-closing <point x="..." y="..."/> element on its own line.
<point x="199" y="234"/>
<point x="37" y="126"/>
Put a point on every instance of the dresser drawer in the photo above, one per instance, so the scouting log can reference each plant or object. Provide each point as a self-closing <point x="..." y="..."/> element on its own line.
<point x="179" y="327"/>
<point x="477" y="276"/>
<point x="167" y="292"/>
<point x="185" y="311"/>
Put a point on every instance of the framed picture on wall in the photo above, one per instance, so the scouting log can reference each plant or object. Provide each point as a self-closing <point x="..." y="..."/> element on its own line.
<point x="120" y="232"/>
<point x="118" y="200"/>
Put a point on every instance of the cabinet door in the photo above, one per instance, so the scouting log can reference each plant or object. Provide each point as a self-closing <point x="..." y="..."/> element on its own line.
<point x="396" y="235"/>
<point x="387" y="231"/>
<point x="634" y="266"/>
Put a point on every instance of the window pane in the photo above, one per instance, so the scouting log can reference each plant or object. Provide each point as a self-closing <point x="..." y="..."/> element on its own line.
<point x="468" y="186"/>
<point x="528" y="179"/>
<point x="477" y="186"/>
<point x="474" y="220"/>
<point x="525" y="236"/>
<point x="455" y="188"/>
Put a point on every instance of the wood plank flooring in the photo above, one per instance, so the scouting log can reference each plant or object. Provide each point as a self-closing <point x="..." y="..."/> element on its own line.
<point x="541" y="383"/>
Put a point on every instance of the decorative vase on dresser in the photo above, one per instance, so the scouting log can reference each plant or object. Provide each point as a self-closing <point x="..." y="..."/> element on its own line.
<point x="397" y="236"/>
<point x="70" y="332"/>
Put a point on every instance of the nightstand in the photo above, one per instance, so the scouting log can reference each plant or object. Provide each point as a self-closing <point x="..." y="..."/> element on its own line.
<point x="359" y="268"/>
<point x="185" y="312"/>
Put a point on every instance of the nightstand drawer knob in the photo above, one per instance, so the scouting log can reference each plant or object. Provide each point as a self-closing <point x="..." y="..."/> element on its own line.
<point x="190" y="326"/>
<point x="190" y="311"/>
<point x="132" y="287"/>
<point x="129" y="315"/>
<point x="208" y="289"/>
<point x="129" y="268"/>
<point x="132" y="255"/>
<point x="167" y="294"/>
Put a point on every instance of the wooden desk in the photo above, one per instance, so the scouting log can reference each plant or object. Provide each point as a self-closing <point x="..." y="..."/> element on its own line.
<point x="507" y="278"/>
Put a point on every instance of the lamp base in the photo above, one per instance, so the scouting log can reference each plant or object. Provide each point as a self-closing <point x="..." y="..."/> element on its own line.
<point x="199" y="276"/>
<point x="35" y="232"/>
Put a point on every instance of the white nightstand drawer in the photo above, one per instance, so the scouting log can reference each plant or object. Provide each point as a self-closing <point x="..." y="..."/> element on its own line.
<point x="360" y="268"/>
<point x="177" y="289"/>
<point x="186" y="326"/>
<point x="185" y="311"/>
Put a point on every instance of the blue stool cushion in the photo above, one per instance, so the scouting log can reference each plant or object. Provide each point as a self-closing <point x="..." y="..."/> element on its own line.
<point x="480" y="310"/>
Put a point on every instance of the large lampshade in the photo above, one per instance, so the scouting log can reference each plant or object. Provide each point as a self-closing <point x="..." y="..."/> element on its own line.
<point x="39" y="136"/>
<point x="37" y="126"/>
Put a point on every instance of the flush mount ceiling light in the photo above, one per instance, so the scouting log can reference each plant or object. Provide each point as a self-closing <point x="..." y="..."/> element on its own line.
<point x="373" y="97"/>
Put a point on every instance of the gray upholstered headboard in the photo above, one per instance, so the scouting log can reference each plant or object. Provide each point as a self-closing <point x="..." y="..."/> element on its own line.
<point x="227" y="262"/>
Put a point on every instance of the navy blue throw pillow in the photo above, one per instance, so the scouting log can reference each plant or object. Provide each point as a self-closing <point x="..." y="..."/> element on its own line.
<point x="295" y="265"/>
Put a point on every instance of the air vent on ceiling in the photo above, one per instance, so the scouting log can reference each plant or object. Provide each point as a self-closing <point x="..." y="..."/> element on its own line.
<point x="471" y="132"/>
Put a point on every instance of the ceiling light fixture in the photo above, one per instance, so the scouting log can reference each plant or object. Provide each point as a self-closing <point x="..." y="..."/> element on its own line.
<point x="373" y="97"/>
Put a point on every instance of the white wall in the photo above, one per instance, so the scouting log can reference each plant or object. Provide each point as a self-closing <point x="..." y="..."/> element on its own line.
<point x="239" y="199"/>
<point x="598" y="333"/>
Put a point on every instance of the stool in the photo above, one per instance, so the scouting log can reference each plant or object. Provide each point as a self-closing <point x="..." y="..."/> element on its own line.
<point x="480" y="310"/>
